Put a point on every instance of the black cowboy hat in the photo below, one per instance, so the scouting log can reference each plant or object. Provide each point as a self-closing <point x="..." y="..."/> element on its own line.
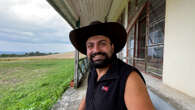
<point x="114" y="31"/>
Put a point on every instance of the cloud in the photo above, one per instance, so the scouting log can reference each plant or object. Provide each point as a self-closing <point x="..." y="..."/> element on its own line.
<point x="36" y="11"/>
<point x="28" y="47"/>
<point x="34" y="37"/>
<point x="11" y="31"/>
<point x="32" y="22"/>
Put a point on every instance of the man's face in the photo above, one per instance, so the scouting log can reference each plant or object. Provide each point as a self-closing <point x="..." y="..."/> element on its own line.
<point x="99" y="50"/>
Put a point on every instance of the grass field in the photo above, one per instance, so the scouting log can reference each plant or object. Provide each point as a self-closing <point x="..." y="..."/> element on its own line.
<point x="34" y="84"/>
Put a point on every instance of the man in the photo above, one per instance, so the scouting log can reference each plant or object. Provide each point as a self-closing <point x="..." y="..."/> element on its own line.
<point x="112" y="84"/>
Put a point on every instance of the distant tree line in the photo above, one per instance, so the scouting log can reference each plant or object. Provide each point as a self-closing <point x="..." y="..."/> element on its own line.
<point x="37" y="53"/>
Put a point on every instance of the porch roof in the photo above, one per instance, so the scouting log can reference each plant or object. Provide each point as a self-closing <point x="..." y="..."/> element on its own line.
<point x="80" y="13"/>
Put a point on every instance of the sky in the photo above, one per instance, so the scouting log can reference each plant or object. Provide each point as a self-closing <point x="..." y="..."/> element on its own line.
<point x="32" y="25"/>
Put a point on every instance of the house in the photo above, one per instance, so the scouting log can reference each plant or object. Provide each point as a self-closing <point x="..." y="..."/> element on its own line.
<point x="161" y="34"/>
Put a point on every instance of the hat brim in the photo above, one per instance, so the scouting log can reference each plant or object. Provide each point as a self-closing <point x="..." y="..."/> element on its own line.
<point x="115" y="31"/>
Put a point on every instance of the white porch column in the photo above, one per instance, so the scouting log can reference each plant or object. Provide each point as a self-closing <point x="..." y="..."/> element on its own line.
<point x="125" y="23"/>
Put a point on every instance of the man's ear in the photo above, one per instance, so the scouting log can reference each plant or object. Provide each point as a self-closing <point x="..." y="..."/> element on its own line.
<point x="112" y="46"/>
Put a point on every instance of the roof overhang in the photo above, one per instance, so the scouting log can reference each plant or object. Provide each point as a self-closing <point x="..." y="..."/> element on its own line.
<point x="80" y="13"/>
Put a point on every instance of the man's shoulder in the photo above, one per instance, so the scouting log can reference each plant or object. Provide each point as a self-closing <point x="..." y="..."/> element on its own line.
<point x="122" y="64"/>
<point x="127" y="69"/>
<point x="121" y="67"/>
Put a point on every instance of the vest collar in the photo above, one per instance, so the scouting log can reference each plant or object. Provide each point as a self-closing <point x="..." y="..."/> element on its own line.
<point x="112" y="72"/>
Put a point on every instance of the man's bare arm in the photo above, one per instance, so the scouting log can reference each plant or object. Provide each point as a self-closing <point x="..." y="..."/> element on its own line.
<point x="136" y="95"/>
<point x="82" y="104"/>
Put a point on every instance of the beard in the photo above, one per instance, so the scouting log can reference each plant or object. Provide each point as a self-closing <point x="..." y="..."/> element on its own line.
<point x="101" y="63"/>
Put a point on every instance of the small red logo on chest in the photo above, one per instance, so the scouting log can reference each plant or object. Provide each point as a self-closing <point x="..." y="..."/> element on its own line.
<point x="105" y="88"/>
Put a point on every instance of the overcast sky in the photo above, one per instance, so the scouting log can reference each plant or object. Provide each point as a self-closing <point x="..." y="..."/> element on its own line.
<point x="32" y="25"/>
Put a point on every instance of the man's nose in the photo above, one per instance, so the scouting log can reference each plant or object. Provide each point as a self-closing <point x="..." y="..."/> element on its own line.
<point x="96" y="48"/>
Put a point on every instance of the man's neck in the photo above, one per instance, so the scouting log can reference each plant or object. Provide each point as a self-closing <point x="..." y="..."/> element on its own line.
<point x="102" y="71"/>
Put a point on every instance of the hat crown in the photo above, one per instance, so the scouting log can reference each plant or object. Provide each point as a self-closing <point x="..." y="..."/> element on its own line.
<point x="95" y="22"/>
<point x="115" y="31"/>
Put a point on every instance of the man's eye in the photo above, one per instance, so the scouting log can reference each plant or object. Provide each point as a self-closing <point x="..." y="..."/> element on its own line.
<point x="103" y="44"/>
<point x="89" y="46"/>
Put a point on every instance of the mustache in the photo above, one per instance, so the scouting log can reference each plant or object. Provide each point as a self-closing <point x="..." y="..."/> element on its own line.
<point x="98" y="53"/>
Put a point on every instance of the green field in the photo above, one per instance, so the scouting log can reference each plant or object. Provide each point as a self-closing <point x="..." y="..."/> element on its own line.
<point x="33" y="84"/>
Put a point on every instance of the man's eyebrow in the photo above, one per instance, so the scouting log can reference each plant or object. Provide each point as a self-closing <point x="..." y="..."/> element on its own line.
<point x="98" y="41"/>
<point x="103" y="40"/>
<point x="89" y="43"/>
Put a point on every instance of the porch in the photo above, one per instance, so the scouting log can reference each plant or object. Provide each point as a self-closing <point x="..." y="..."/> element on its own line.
<point x="163" y="97"/>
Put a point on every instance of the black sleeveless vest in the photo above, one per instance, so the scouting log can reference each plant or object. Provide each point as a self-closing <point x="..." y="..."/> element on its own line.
<point x="108" y="92"/>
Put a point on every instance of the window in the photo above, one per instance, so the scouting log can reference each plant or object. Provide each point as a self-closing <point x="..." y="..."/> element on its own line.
<point x="131" y="46"/>
<point x="156" y="37"/>
<point x="146" y="52"/>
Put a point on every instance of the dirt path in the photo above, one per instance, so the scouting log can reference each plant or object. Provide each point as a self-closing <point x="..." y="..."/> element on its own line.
<point x="67" y="55"/>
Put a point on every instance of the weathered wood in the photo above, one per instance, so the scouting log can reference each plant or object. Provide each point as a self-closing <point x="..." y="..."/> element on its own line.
<point x="76" y="64"/>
